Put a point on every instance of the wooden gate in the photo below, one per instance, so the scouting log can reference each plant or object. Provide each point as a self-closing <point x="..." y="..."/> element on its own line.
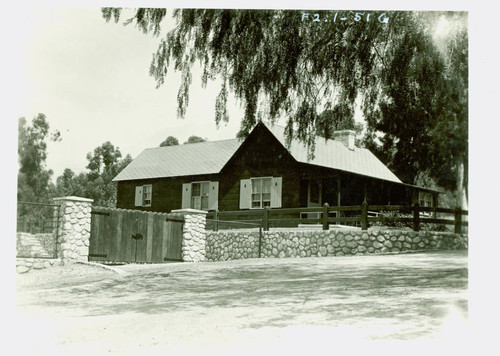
<point x="118" y="235"/>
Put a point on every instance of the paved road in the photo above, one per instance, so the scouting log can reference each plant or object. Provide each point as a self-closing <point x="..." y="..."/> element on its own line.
<point x="250" y="303"/>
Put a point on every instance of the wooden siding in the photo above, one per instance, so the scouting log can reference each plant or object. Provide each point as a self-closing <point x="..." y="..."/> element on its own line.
<point x="167" y="192"/>
<point x="261" y="155"/>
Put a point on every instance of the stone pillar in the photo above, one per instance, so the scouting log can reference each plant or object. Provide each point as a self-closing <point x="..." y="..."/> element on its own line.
<point x="194" y="235"/>
<point x="73" y="228"/>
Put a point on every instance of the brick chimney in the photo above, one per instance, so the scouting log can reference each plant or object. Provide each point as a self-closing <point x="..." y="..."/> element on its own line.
<point x="347" y="137"/>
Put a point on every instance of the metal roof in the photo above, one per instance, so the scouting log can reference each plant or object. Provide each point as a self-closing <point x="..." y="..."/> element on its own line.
<point x="210" y="158"/>
<point x="180" y="160"/>
<point x="334" y="154"/>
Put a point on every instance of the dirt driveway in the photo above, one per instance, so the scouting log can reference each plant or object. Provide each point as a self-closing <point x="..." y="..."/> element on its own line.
<point x="247" y="305"/>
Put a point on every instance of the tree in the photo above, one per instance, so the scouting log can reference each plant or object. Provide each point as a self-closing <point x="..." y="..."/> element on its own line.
<point x="33" y="177"/>
<point x="194" y="139"/>
<point x="339" y="118"/>
<point x="303" y="63"/>
<point x="281" y="60"/>
<point x="428" y="85"/>
<point x="452" y="129"/>
<point x="70" y="184"/>
<point x="104" y="164"/>
<point x="169" y="141"/>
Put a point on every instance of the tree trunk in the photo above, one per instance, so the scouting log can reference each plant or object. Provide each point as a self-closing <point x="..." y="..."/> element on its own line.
<point x="462" y="199"/>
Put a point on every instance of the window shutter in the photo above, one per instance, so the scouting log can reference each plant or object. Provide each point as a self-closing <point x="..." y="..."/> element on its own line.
<point x="245" y="193"/>
<point x="213" y="196"/>
<point x="186" y="195"/>
<point x="276" y="192"/>
<point x="138" y="196"/>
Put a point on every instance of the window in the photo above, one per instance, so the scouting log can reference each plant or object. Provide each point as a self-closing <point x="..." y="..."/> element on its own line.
<point x="147" y="194"/>
<point x="144" y="195"/>
<point x="425" y="199"/>
<point x="314" y="193"/>
<point x="261" y="192"/>
<point x="199" y="195"/>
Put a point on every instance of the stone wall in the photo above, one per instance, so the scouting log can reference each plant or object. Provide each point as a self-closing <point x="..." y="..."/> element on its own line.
<point x="240" y="244"/>
<point x="24" y="265"/>
<point x="194" y="234"/>
<point x="71" y="243"/>
<point x="232" y="245"/>
<point x="35" y="245"/>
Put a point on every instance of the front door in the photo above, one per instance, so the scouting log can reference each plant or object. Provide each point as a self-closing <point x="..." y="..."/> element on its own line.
<point x="314" y="193"/>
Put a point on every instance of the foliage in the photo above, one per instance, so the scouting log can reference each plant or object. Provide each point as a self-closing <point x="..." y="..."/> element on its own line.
<point x="103" y="160"/>
<point x="282" y="62"/>
<point x="436" y="227"/>
<point x="195" y="139"/>
<point x="169" y="141"/>
<point x="391" y="219"/>
<point x="266" y="57"/>
<point x="104" y="163"/>
<point x="33" y="177"/>
<point x="70" y="184"/>
<point x="421" y="85"/>
<point x="339" y="118"/>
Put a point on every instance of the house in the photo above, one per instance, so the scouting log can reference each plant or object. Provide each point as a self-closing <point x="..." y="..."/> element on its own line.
<point x="259" y="172"/>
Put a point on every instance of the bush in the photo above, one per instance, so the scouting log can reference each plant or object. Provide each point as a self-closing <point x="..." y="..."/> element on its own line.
<point x="435" y="227"/>
<point x="391" y="219"/>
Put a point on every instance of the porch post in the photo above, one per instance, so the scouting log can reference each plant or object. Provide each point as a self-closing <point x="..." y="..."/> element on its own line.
<point x="338" y="190"/>
<point x="434" y="204"/>
<point x="325" y="216"/>
<point x="364" y="215"/>
<point x="416" y="217"/>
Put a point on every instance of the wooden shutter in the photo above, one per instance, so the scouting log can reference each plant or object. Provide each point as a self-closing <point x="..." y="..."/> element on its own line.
<point x="276" y="192"/>
<point x="138" y="196"/>
<point x="213" y="196"/>
<point x="245" y="194"/>
<point x="186" y="195"/>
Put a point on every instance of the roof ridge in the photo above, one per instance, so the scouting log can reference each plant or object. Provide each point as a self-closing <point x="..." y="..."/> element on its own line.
<point x="319" y="137"/>
<point x="299" y="141"/>
<point x="195" y="143"/>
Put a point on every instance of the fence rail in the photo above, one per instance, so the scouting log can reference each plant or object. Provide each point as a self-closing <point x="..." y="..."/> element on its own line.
<point x="362" y="215"/>
<point x="259" y="224"/>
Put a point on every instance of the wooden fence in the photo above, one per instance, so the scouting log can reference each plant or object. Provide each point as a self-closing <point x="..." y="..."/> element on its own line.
<point x="118" y="235"/>
<point x="361" y="215"/>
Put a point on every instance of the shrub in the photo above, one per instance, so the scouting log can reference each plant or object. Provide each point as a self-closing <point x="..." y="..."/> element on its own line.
<point x="391" y="219"/>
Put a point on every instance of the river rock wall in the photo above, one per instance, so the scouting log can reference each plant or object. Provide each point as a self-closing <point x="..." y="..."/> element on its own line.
<point x="281" y="243"/>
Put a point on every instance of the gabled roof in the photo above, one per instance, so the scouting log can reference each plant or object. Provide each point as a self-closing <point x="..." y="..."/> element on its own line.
<point x="180" y="160"/>
<point x="211" y="157"/>
<point x="334" y="154"/>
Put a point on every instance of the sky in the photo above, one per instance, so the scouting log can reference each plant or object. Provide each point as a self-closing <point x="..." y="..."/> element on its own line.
<point x="90" y="78"/>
